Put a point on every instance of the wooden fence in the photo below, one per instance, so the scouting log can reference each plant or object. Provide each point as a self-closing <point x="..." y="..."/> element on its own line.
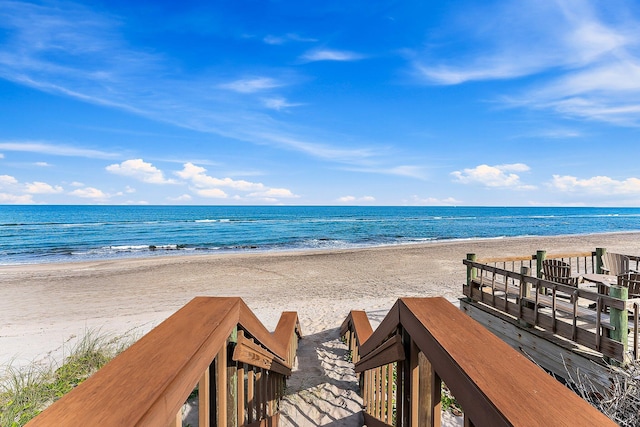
<point x="217" y="343"/>
<point x="423" y="342"/>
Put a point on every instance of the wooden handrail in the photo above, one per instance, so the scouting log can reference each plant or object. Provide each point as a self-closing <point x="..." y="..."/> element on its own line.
<point x="494" y="384"/>
<point x="359" y="322"/>
<point x="149" y="382"/>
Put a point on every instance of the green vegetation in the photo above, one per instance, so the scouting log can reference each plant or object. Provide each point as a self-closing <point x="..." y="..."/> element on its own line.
<point x="449" y="403"/>
<point x="27" y="391"/>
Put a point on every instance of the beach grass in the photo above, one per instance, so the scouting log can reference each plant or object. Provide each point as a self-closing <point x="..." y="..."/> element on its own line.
<point x="26" y="391"/>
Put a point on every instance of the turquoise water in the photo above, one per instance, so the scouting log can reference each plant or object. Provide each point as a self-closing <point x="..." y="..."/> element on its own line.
<point x="36" y="234"/>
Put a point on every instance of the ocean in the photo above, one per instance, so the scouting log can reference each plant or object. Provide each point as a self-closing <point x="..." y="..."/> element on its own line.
<point x="44" y="234"/>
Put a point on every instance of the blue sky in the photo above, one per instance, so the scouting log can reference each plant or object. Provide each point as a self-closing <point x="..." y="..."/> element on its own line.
<point x="521" y="102"/>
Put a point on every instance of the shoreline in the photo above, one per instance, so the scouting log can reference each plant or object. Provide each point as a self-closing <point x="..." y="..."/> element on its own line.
<point x="173" y="253"/>
<point x="44" y="306"/>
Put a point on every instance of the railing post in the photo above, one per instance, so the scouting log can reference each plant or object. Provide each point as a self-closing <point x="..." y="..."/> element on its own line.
<point x="403" y="381"/>
<point x="430" y="399"/>
<point x="540" y="256"/>
<point x="204" y="399"/>
<point x="472" y="273"/>
<point x="232" y="381"/>
<point x="525" y="292"/>
<point x="221" y="387"/>
<point x="619" y="320"/>
<point x="415" y="384"/>
<point x="600" y="252"/>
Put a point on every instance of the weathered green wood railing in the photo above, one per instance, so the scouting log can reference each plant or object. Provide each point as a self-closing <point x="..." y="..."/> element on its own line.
<point x="425" y="341"/>
<point x="581" y="262"/>
<point x="575" y="313"/>
<point x="217" y="343"/>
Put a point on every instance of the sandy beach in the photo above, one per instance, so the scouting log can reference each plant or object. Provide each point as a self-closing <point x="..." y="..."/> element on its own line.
<point x="44" y="306"/>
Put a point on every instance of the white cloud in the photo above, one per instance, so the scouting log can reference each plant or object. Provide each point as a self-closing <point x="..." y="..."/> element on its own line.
<point x="140" y="170"/>
<point x="211" y="193"/>
<point x="183" y="198"/>
<point x="346" y="199"/>
<point x="353" y="199"/>
<point x="42" y="164"/>
<point x="251" y="85"/>
<point x="494" y="176"/>
<point x="1" y="156"/>
<point x="17" y="192"/>
<point x="55" y="149"/>
<point x="90" y="193"/>
<point x="197" y="175"/>
<point x="6" y="180"/>
<point x="208" y="186"/>
<point x="434" y="201"/>
<point x="273" y="193"/>
<point x="330" y="55"/>
<point x="599" y="185"/>
<point x="42" y="188"/>
<point x="25" y="199"/>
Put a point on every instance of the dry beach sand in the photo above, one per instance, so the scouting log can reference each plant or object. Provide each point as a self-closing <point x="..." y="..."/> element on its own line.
<point x="44" y="306"/>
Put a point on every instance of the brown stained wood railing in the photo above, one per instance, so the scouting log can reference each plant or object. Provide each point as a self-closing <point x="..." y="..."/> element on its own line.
<point x="217" y="343"/>
<point x="494" y="384"/>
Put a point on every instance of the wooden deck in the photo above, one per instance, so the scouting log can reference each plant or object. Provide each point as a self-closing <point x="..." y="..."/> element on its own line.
<point x="605" y="323"/>
<point x="564" y="328"/>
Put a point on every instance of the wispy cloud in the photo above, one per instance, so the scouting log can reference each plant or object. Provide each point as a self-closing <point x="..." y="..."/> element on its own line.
<point x="251" y="85"/>
<point x="585" y="58"/>
<point x="290" y="37"/>
<point x="331" y="55"/>
<point x="72" y="51"/>
<point x="279" y="103"/>
<point x="498" y="176"/>
<point x="410" y="171"/>
<point x="56" y="149"/>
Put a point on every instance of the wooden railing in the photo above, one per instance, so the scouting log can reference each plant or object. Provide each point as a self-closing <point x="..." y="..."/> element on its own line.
<point x="217" y="343"/>
<point x="423" y="342"/>
<point x="580" y="262"/>
<point x="578" y="314"/>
